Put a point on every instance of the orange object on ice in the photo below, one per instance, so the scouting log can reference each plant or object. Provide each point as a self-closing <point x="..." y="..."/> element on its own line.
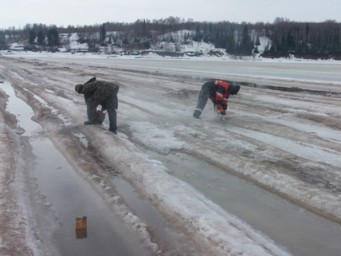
<point x="81" y="228"/>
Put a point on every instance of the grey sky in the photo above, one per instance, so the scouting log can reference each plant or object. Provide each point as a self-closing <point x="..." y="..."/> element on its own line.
<point x="18" y="13"/>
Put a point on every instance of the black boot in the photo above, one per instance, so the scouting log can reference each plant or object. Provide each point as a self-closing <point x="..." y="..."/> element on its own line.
<point x="196" y="114"/>
<point x="113" y="131"/>
<point x="91" y="122"/>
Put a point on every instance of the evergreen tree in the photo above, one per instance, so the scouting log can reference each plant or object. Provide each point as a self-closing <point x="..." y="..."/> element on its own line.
<point x="257" y="41"/>
<point x="41" y="37"/>
<point x="246" y="45"/>
<point x="230" y="44"/>
<point x="337" y="44"/>
<point x="290" y="43"/>
<point x="197" y="36"/>
<point x="3" y="45"/>
<point x="53" y="36"/>
<point x="32" y="37"/>
<point x="102" y="34"/>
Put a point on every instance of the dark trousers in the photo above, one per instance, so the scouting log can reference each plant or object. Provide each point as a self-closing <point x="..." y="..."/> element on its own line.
<point x="204" y="94"/>
<point x="110" y="104"/>
<point x="113" y="120"/>
<point x="91" y="108"/>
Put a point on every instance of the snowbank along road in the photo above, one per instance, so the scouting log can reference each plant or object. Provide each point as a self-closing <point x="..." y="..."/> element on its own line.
<point x="280" y="143"/>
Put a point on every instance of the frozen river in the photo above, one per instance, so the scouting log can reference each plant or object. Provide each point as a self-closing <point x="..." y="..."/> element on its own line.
<point x="269" y="173"/>
<point x="309" y="71"/>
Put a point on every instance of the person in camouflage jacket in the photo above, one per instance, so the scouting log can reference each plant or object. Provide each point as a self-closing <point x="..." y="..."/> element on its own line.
<point x="102" y="93"/>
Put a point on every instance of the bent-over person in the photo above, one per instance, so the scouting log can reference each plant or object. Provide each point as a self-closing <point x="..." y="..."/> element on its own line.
<point x="97" y="92"/>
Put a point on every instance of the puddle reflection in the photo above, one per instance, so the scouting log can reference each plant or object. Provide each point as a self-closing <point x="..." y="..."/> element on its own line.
<point x="81" y="228"/>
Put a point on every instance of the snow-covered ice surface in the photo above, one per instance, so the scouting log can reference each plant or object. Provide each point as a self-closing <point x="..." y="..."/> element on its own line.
<point x="286" y="142"/>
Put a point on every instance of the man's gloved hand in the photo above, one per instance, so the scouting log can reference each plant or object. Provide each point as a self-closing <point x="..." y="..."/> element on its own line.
<point x="215" y="108"/>
<point x="100" y="116"/>
<point x="220" y="109"/>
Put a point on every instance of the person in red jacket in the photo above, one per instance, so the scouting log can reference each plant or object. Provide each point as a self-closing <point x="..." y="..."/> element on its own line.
<point x="218" y="91"/>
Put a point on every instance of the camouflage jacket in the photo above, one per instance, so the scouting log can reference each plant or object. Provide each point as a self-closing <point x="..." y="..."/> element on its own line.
<point x="100" y="91"/>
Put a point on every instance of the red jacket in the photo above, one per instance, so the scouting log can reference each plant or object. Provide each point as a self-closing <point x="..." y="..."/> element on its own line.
<point x="222" y="93"/>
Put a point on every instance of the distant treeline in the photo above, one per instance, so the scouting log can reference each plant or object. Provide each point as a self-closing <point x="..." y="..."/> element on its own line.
<point x="301" y="39"/>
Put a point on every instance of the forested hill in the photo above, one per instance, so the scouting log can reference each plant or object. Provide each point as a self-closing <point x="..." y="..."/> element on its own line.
<point x="282" y="38"/>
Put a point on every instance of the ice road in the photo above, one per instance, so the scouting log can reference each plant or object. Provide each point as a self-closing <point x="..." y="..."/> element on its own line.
<point x="263" y="181"/>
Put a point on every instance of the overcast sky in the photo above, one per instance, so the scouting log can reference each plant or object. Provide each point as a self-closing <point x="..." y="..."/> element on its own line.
<point x="17" y="13"/>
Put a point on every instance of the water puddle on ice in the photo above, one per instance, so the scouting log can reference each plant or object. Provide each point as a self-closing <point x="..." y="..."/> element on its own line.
<point x="70" y="196"/>
<point x="21" y="110"/>
<point x="142" y="208"/>
<point x="289" y="225"/>
<point x="151" y="216"/>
